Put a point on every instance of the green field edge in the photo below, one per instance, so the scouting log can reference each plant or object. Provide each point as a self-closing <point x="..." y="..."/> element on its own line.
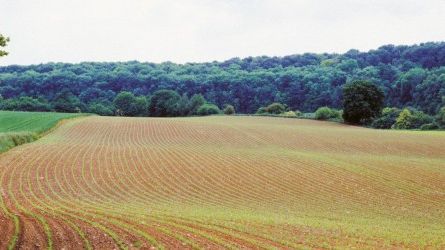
<point x="10" y="140"/>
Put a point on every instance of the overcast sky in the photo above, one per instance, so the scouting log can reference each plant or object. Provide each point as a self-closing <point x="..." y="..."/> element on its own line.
<point x="206" y="30"/>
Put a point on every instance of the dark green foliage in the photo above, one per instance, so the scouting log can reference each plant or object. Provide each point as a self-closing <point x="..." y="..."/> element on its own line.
<point x="229" y="109"/>
<point x="412" y="119"/>
<point x="195" y="102"/>
<point x="100" y="109"/>
<point x="429" y="126"/>
<point x="25" y="103"/>
<point x="440" y="118"/>
<point x="208" y="109"/>
<point x="275" y="108"/>
<point x="409" y="75"/>
<point x="362" y="101"/>
<point x="127" y="104"/>
<point x="183" y="106"/>
<point x="164" y="103"/>
<point x="387" y="118"/>
<point x="326" y="113"/>
<point x="66" y="102"/>
<point x="407" y="84"/>
<point x="141" y="106"/>
<point x="261" y="111"/>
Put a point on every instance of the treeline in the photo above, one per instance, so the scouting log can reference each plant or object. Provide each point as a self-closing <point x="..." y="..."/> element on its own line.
<point x="363" y="105"/>
<point x="410" y="76"/>
<point x="163" y="103"/>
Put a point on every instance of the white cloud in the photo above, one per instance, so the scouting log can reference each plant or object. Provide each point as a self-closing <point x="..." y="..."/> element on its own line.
<point x="205" y="30"/>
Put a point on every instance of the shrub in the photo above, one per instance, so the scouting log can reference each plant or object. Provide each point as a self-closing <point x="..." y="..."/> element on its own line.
<point x="195" y="102"/>
<point x="229" y="109"/>
<point x="288" y="114"/>
<point x="275" y="108"/>
<point x="298" y="113"/>
<point x="308" y="115"/>
<point x="412" y="119"/>
<point x="403" y="121"/>
<point x="208" y="109"/>
<point x="440" y="118"/>
<point x="261" y="111"/>
<point x="419" y="118"/>
<point x="326" y="113"/>
<point x="100" y="109"/>
<point x="66" y="101"/>
<point x="25" y="103"/>
<point x="387" y="118"/>
<point x="429" y="126"/>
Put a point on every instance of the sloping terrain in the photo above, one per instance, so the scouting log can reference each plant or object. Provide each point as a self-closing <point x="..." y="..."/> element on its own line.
<point x="17" y="128"/>
<point x="36" y="122"/>
<point x="223" y="182"/>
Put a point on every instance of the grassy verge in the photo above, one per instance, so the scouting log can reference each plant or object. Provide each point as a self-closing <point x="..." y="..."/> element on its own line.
<point x="17" y="128"/>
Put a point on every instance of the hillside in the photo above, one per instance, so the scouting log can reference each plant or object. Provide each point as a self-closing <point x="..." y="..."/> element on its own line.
<point x="223" y="182"/>
<point x="36" y="122"/>
<point x="17" y="128"/>
<point x="409" y="75"/>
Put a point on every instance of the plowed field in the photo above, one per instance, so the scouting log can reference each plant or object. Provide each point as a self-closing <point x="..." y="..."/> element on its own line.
<point x="223" y="182"/>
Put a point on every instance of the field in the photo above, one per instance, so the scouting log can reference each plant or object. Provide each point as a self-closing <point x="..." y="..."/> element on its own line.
<point x="223" y="182"/>
<point x="17" y="128"/>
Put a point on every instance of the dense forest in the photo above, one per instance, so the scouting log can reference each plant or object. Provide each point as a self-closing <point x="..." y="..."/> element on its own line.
<point x="410" y="76"/>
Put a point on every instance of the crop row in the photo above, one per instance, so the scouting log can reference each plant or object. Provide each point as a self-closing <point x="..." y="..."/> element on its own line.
<point x="180" y="183"/>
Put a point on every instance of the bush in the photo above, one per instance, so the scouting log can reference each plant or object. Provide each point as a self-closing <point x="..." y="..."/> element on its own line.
<point x="229" y="109"/>
<point x="290" y="114"/>
<point x="429" y="126"/>
<point x="261" y="111"/>
<point x="208" y="109"/>
<point x="275" y="108"/>
<point x="326" y="113"/>
<point x="67" y="102"/>
<point x="100" y="109"/>
<point x="195" y="102"/>
<point x="440" y="118"/>
<point x="419" y="118"/>
<point x="387" y="119"/>
<point x="308" y="115"/>
<point x="412" y="119"/>
<point x="25" y="103"/>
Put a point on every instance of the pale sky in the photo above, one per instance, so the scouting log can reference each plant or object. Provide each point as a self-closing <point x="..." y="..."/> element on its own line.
<point x="204" y="30"/>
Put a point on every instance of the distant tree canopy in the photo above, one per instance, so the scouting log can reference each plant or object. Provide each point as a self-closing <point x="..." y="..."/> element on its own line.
<point x="362" y="101"/>
<point x="411" y="76"/>
<point x="3" y="42"/>
<point x="127" y="104"/>
<point x="165" y="103"/>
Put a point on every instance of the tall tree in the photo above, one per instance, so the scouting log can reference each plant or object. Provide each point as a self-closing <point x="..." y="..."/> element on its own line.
<point x="65" y="101"/>
<point x="362" y="101"/>
<point x="164" y="103"/>
<point x="127" y="104"/>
